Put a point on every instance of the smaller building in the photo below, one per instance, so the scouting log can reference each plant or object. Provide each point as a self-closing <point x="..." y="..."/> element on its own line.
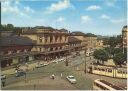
<point x="74" y="43"/>
<point x="15" y="49"/>
<point x="81" y="37"/>
<point x="99" y="44"/>
<point x="91" y="44"/>
<point x="6" y="33"/>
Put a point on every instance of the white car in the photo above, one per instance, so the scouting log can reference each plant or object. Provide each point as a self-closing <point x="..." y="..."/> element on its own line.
<point x="39" y="65"/>
<point x="45" y="64"/>
<point x="71" y="79"/>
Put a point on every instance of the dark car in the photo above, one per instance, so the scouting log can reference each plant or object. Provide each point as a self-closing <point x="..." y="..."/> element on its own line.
<point x="20" y="73"/>
<point x="3" y="76"/>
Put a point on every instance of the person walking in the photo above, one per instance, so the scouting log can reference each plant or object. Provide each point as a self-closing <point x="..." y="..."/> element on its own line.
<point x="3" y="80"/>
<point x="53" y="76"/>
<point x="61" y="75"/>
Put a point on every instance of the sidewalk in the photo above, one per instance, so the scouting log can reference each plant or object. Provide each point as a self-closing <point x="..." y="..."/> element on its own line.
<point x="12" y="70"/>
<point x="30" y="67"/>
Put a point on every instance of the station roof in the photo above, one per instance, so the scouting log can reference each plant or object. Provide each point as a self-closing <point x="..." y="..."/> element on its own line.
<point x="15" y="40"/>
<point x="72" y="39"/>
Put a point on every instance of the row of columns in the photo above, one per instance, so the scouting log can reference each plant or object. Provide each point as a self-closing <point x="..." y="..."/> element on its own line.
<point x="53" y="39"/>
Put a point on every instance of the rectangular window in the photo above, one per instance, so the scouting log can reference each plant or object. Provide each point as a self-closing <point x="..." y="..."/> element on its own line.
<point x="40" y="49"/>
<point x="40" y="40"/>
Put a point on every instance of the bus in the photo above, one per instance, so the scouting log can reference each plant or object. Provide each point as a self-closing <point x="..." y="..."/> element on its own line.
<point x="104" y="85"/>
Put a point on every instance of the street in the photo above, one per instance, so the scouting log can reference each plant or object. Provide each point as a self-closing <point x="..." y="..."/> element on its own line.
<point x="40" y="77"/>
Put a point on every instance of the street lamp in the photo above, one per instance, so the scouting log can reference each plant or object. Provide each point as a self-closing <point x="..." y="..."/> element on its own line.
<point x="66" y="61"/>
<point x="85" y="62"/>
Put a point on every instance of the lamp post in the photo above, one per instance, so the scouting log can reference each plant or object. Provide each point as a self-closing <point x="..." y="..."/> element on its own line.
<point x="85" y="61"/>
<point x="66" y="62"/>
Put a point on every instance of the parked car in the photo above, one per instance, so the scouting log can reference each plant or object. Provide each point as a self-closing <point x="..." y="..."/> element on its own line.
<point x="71" y="79"/>
<point x="45" y="64"/>
<point x="54" y="61"/>
<point x="20" y="73"/>
<point x="3" y="76"/>
<point x="61" y="59"/>
<point x="41" y="65"/>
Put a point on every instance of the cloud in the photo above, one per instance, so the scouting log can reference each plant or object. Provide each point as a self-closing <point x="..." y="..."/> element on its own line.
<point x="28" y="9"/>
<point x="117" y="21"/>
<point x="60" y="5"/>
<point x="110" y="3"/>
<point x="85" y="19"/>
<point x="14" y="8"/>
<point x="9" y="7"/>
<point x="6" y="7"/>
<point x="60" y="19"/>
<point x="114" y="21"/>
<point x="93" y="7"/>
<point x="105" y="16"/>
<point x="17" y="2"/>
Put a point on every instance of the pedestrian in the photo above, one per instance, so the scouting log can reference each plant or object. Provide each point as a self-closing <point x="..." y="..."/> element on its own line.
<point x="53" y="76"/>
<point x="61" y="74"/>
<point x="3" y="82"/>
<point x="34" y="86"/>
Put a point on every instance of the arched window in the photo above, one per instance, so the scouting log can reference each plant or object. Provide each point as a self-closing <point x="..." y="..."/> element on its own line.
<point x="60" y="38"/>
<point x="51" y="49"/>
<point x="40" y="39"/>
<point x="51" y="39"/>
<point x="46" y="39"/>
<point x="60" y="47"/>
<point x="40" y="49"/>
<point x="56" y="48"/>
<point x="56" y="38"/>
<point x="65" y="38"/>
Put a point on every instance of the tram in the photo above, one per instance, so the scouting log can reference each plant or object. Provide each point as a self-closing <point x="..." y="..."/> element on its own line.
<point x="108" y="71"/>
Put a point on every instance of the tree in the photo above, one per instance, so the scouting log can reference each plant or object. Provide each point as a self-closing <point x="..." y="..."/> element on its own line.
<point x="1" y="27"/>
<point x="113" y="41"/>
<point x="17" y="30"/>
<point x="120" y="58"/>
<point x="119" y="39"/>
<point x="90" y="35"/>
<point x="105" y="41"/>
<point x="101" y="55"/>
<point x="112" y="51"/>
<point x="78" y="33"/>
<point x="10" y="26"/>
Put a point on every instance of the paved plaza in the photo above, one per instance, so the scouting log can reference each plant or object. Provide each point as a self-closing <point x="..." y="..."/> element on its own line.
<point x="39" y="78"/>
<point x="45" y="83"/>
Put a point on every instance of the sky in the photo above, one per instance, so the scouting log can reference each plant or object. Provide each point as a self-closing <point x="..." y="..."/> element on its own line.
<point x="101" y="17"/>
